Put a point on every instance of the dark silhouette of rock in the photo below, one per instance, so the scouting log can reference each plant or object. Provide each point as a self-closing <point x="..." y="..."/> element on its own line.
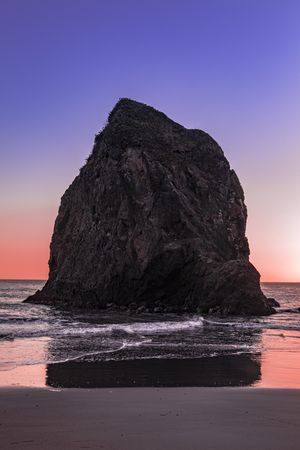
<point x="155" y="221"/>
<point x="272" y="302"/>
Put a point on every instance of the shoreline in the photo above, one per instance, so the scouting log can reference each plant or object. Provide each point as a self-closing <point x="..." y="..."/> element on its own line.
<point x="150" y="418"/>
<point x="271" y="369"/>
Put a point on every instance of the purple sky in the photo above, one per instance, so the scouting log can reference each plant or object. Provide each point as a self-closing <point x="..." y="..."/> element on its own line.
<point x="229" y="67"/>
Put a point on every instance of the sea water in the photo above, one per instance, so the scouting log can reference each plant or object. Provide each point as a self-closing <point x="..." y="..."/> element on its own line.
<point x="260" y="351"/>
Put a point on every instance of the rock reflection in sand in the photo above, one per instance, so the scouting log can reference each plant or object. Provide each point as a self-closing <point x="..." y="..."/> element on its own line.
<point x="230" y="370"/>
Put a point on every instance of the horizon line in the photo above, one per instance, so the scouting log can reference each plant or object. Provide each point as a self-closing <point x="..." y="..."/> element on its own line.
<point x="45" y="279"/>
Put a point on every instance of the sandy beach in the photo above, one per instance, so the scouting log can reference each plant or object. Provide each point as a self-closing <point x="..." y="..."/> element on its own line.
<point x="150" y="419"/>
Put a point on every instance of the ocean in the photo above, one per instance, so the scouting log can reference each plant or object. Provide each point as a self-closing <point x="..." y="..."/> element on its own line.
<point x="44" y="346"/>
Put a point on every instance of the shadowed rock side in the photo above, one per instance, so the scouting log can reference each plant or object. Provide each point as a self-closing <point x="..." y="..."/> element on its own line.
<point x="155" y="220"/>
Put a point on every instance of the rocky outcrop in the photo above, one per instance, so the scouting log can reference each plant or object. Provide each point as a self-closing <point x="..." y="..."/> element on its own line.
<point x="154" y="221"/>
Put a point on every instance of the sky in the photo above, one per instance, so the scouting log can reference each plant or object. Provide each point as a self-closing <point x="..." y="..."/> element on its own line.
<point x="228" y="67"/>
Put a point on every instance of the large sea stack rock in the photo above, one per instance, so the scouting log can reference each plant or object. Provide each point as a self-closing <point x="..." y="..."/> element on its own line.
<point x="155" y="220"/>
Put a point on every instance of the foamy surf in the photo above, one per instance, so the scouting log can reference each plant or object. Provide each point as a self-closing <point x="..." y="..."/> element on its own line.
<point x="71" y="328"/>
<point x="33" y="334"/>
<point x="156" y="327"/>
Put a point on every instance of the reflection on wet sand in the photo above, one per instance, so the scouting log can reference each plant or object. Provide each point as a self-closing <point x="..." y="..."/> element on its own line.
<point x="280" y="363"/>
<point x="210" y="355"/>
<point x="29" y="376"/>
<point x="276" y="363"/>
<point x="230" y="370"/>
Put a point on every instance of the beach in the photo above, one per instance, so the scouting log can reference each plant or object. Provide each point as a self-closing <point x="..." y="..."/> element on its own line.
<point x="150" y="419"/>
<point x="96" y="380"/>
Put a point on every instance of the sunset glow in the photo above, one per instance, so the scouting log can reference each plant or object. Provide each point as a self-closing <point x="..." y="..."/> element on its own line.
<point x="24" y="244"/>
<point x="219" y="68"/>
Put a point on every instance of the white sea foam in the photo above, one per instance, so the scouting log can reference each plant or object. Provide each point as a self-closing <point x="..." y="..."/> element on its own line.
<point x="140" y="328"/>
<point x="103" y="336"/>
<point x="156" y="327"/>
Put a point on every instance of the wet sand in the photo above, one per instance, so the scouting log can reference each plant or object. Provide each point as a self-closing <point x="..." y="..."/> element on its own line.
<point x="150" y="418"/>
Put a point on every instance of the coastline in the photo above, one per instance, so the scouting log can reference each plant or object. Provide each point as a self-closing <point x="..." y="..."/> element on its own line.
<point x="271" y="369"/>
<point x="150" y="418"/>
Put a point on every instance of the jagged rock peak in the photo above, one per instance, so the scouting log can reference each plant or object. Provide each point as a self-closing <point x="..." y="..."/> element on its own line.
<point x="155" y="221"/>
<point x="126" y="109"/>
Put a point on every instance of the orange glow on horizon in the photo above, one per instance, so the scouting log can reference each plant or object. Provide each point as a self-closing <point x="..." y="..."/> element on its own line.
<point x="273" y="269"/>
<point x="25" y="239"/>
<point x="24" y="244"/>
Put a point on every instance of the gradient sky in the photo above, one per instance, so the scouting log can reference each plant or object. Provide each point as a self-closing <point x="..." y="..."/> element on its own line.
<point x="229" y="67"/>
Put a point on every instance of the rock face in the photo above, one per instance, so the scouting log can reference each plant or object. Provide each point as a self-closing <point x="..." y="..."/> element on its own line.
<point x="154" y="221"/>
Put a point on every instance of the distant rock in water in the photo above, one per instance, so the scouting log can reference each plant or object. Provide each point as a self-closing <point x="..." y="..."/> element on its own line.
<point x="154" y="221"/>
